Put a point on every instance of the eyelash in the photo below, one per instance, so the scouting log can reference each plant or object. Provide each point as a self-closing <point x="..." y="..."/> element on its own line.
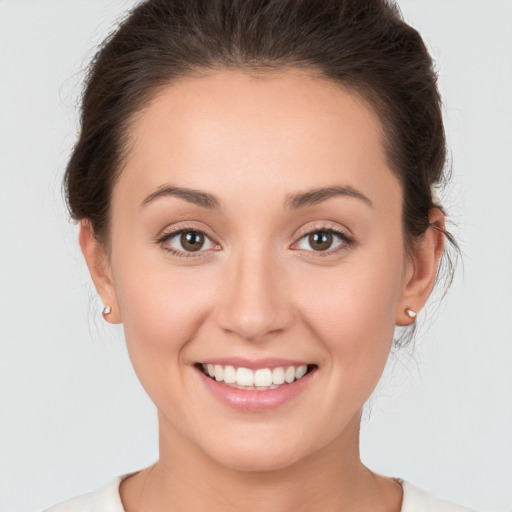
<point x="346" y="241"/>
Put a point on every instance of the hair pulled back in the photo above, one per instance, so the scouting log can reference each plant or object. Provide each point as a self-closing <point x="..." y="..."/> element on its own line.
<point x="363" y="45"/>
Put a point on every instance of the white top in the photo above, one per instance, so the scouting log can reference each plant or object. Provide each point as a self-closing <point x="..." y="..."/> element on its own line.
<point x="107" y="499"/>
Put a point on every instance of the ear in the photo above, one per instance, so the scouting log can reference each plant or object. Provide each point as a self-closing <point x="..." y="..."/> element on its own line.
<point x="97" y="261"/>
<point x="422" y="268"/>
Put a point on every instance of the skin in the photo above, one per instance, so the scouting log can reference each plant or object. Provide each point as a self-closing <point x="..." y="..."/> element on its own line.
<point x="258" y="289"/>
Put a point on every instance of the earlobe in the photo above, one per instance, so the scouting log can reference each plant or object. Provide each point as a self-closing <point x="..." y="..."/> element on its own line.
<point x="424" y="264"/>
<point x="99" y="268"/>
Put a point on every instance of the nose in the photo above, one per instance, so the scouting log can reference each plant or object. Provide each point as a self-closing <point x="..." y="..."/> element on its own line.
<point x="253" y="301"/>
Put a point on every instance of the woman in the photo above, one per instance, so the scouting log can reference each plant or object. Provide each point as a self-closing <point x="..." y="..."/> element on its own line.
<point x="254" y="182"/>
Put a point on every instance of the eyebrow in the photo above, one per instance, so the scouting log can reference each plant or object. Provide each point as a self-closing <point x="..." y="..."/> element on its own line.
<point x="294" y="201"/>
<point x="192" y="196"/>
<point x="316" y="196"/>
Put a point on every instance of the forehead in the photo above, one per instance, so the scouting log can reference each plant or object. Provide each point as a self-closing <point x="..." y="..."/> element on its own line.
<point x="230" y="130"/>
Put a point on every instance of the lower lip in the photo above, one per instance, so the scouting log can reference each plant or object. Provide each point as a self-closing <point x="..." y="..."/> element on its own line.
<point x="255" y="401"/>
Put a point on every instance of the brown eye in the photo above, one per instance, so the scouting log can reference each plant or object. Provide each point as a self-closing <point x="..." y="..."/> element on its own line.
<point x="186" y="241"/>
<point x="320" y="240"/>
<point x="326" y="241"/>
<point x="192" y="240"/>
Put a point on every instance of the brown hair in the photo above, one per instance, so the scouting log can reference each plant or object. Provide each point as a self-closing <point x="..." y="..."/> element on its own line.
<point x="361" y="44"/>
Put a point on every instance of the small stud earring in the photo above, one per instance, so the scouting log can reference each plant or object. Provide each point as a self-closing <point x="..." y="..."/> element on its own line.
<point x="107" y="310"/>
<point x="410" y="312"/>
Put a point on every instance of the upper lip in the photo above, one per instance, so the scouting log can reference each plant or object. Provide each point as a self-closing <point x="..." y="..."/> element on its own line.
<point x="254" y="364"/>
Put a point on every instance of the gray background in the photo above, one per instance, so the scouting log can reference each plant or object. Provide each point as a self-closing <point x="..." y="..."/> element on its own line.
<point x="72" y="414"/>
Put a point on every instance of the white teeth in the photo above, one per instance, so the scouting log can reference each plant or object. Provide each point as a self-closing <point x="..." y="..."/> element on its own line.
<point x="261" y="379"/>
<point x="219" y="372"/>
<point x="289" y="374"/>
<point x="301" y="371"/>
<point x="278" y="376"/>
<point x="229" y="375"/>
<point x="244" y="377"/>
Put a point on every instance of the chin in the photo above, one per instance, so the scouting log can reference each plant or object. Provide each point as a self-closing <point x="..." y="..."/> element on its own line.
<point x="262" y="456"/>
<point x="258" y="460"/>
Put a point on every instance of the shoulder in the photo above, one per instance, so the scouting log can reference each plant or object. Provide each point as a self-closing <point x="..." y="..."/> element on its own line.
<point x="415" y="500"/>
<point x="106" y="499"/>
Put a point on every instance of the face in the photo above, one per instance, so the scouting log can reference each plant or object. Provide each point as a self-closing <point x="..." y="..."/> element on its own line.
<point x="257" y="225"/>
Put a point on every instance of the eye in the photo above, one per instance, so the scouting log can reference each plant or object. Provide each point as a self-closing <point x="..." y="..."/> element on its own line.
<point x="186" y="241"/>
<point x="323" y="240"/>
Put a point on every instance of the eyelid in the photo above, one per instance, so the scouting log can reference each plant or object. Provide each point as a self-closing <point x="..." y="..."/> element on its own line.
<point x="182" y="226"/>
<point x="325" y="226"/>
<point x="345" y="235"/>
<point x="170" y="232"/>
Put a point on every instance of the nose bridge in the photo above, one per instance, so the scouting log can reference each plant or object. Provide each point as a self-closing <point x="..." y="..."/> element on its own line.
<point x="253" y="301"/>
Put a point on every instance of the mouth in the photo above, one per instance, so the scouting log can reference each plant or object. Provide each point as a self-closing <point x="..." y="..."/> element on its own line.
<point x="260" y="379"/>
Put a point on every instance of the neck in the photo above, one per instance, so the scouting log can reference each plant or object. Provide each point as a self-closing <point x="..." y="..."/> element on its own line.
<point x="185" y="479"/>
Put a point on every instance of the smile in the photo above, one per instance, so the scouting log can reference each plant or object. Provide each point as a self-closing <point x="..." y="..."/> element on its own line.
<point x="261" y="379"/>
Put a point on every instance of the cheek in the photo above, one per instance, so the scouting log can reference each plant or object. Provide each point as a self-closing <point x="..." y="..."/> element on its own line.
<point x="162" y="310"/>
<point x="352" y="311"/>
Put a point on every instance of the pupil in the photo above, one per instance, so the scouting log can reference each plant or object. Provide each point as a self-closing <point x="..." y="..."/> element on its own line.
<point x="320" y="241"/>
<point x="192" y="240"/>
